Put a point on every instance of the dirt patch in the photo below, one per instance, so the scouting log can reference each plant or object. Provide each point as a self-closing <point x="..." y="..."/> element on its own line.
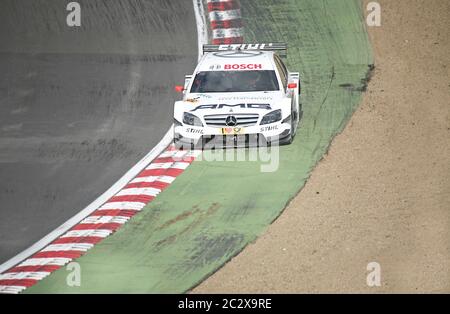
<point x="199" y="216"/>
<point x="382" y="193"/>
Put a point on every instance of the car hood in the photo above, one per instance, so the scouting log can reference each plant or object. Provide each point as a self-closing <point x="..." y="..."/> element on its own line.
<point x="219" y="103"/>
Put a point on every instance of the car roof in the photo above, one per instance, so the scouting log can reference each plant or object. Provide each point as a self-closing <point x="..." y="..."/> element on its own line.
<point x="236" y="60"/>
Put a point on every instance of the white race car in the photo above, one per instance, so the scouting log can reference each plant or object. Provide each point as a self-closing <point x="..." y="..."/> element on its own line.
<point x="239" y="95"/>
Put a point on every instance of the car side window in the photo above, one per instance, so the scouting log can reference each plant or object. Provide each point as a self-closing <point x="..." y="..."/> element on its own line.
<point x="282" y="70"/>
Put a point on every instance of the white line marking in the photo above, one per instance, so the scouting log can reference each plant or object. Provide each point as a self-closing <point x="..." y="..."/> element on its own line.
<point x="11" y="289"/>
<point x="100" y="219"/>
<point x="225" y="15"/>
<point x="175" y="154"/>
<point x="45" y="261"/>
<point x="180" y="165"/>
<point x="179" y="155"/>
<point x="37" y="275"/>
<point x="167" y="165"/>
<point x="150" y="179"/>
<point x="139" y="191"/>
<point x="83" y="247"/>
<point x="123" y="205"/>
<point x="104" y="219"/>
<point x="101" y="233"/>
<point x="227" y="32"/>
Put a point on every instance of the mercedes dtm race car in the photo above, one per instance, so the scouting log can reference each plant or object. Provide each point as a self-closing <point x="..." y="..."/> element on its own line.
<point x="239" y="95"/>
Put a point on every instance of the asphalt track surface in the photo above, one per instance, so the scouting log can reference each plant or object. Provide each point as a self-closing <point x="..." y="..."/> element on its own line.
<point x="80" y="106"/>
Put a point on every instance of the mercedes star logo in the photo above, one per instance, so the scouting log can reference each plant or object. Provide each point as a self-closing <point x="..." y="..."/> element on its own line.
<point x="231" y="121"/>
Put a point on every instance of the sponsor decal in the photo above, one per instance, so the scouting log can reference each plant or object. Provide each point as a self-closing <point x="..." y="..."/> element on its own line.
<point x="221" y="106"/>
<point x="269" y="128"/>
<point x="244" y="46"/>
<point x="194" y="131"/>
<point x="243" y="66"/>
<point x="215" y="67"/>
<point x="240" y="98"/>
<point x="197" y="98"/>
<point x="233" y="131"/>
<point x="204" y="95"/>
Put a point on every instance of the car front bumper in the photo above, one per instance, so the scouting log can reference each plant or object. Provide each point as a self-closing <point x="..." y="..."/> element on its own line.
<point x="275" y="133"/>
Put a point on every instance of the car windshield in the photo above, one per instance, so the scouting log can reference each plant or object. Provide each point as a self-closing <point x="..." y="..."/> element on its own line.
<point x="234" y="81"/>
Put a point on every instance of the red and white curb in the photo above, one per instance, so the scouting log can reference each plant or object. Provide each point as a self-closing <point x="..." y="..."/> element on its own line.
<point x="226" y="22"/>
<point x="105" y="220"/>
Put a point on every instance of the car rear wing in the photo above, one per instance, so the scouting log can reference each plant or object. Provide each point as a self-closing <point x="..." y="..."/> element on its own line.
<point x="279" y="48"/>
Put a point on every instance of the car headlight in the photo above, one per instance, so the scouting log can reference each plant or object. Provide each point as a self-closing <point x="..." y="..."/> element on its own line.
<point x="271" y="117"/>
<point x="190" y="119"/>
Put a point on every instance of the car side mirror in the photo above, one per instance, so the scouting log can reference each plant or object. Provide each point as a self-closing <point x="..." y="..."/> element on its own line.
<point x="187" y="80"/>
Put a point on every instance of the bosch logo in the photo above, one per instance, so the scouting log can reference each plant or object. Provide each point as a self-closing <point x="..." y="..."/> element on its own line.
<point x="242" y="66"/>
